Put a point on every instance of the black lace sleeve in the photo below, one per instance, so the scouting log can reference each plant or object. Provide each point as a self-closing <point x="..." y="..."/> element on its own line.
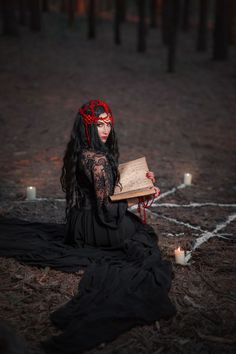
<point x="99" y="170"/>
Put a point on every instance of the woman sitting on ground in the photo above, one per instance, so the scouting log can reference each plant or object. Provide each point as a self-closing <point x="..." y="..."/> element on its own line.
<point x="128" y="283"/>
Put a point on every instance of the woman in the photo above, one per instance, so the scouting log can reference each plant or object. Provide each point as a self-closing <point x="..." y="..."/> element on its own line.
<point x="128" y="285"/>
<point x="126" y="282"/>
<point x="89" y="175"/>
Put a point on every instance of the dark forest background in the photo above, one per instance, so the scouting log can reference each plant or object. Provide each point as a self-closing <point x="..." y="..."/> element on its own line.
<point x="213" y="21"/>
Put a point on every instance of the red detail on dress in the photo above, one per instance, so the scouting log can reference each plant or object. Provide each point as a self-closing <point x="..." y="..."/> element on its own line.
<point x="145" y="204"/>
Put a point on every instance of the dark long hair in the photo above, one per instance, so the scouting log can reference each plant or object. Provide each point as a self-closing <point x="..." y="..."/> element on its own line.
<point x="78" y="142"/>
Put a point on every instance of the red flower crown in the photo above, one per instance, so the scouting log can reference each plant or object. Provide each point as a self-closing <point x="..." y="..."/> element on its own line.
<point x="87" y="111"/>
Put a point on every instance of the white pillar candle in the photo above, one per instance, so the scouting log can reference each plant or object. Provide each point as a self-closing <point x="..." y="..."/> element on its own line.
<point x="30" y="193"/>
<point x="180" y="256"/>
<point x="187" y="179"/>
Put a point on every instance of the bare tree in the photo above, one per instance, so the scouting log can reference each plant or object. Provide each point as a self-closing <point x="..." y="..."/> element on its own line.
<point x="108" y="5"/>
<point x="232" y="22"/>
<point x="123" y="5"/>
<point x="119" y="17"/>
<point x="71" y="12"/>
<point x="153" y="13"/>
<point x="63" y="6"/>
<point x="23" y="12"/>
<point x="117" y="22"/>
<point x="165" y="21"/>
<point x="35" y="15"/>
<point x="202" y="25"/>
<point x="45" y="5"/>
<point x="186" y="15"/>
<point x="221" y="30"/>
<point x="170" y="24"/>
<point x="91" y="19"/>
<point x="142" y="27"/>
<point x="9" y="18"/>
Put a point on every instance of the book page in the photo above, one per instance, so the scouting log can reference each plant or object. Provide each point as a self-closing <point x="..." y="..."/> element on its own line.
<point x="133" y="176"/>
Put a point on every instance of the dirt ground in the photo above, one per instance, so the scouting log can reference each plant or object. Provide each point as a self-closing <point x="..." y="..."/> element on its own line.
<point x="182" y="122"/>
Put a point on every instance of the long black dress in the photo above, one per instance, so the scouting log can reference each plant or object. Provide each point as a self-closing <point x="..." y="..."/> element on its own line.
<point x="126" y="282"/>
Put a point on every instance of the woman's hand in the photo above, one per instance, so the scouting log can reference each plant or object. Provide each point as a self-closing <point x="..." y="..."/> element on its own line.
<point x="151" y="176"/>
<point x="157" y="192"/>
<point x="155" y="195"/>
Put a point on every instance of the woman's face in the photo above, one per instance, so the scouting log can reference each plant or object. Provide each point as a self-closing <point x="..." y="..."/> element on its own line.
<point x="104" y="127"/>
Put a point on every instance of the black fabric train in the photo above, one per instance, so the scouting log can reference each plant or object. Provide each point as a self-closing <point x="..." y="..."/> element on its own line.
<point x="126" y="282"/>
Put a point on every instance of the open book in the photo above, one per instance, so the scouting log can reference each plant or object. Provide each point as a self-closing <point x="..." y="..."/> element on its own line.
<point x="133" y="180"/>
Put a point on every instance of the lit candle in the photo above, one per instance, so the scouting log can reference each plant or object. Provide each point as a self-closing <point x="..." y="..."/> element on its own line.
<point x="30" y="193"/>
<point x="187" y="179"/>
<point x="180" y="256"/>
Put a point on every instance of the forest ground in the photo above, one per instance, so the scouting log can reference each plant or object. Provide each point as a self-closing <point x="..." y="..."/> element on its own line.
<point x="182" y="122"/>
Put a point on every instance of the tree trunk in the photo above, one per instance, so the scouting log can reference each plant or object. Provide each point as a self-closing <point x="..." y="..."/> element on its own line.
<point x="71" y="12"/>
<point x="142" y="28"/>
<point x="117" y="22"/>
<point x="91" y="19"/>
<point x="123" y="4"/>
<point x="108" y="5"/>
<point x="153" y="13"/>
<point x="232" y="22"/>
<point x="45" y="6"/>
<point x="23" y="12"/>
<point x="35" y="15"/>
<point x="202" y="25"/>
<point x="174" y="15"/>
<point x="186" y="15"/>
<point x="63" y="7"/>
<point x="221" y="31"/>
<point x="165" y="21"/>
<point x="9" y="19"/>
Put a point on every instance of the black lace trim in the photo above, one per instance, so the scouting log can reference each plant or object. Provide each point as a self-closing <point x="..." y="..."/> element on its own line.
<point x="98" y="170"/>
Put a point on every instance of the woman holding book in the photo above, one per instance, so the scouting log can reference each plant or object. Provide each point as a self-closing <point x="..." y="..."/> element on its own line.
<point x="89" y="175"/>
<point x="126" y="282"/>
